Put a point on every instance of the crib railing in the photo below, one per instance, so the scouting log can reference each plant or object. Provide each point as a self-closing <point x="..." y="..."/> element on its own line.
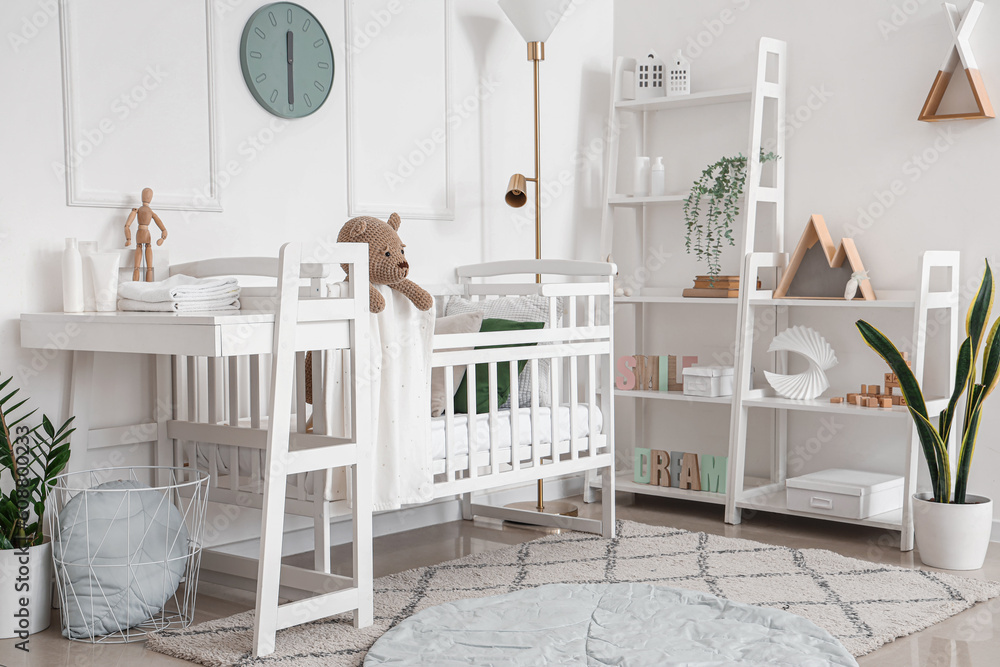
<point x="576" y="343"/>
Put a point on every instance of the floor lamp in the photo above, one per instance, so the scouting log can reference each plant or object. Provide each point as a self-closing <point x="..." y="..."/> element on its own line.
<point x="535" y="20"/>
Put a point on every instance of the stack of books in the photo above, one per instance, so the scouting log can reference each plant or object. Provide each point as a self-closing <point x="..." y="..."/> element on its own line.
<point x="714" y="287"/>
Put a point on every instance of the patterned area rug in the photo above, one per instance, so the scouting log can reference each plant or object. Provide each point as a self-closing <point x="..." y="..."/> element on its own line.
<point x="862" y="604"/>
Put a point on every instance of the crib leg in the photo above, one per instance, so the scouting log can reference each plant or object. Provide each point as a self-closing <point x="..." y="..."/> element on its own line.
<point x="589" y="493"/>
<point x="467" y="506"/>
<point x="321" y="534"/>
<point x="608" y="502"/>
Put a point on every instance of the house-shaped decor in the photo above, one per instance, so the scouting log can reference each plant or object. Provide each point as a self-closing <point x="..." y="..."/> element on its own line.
<point x="961" y="28"/>
<point x="649" y="78"/>
<point x="680" y="76"/>
<point x="816" y="270"/>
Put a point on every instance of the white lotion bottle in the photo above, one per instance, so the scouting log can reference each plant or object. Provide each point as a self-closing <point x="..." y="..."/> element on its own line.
<point x="88" y="248"/>
<point x="657" y="182"/>
<point x="640" y="178"/>
<point x="72" y="277"/>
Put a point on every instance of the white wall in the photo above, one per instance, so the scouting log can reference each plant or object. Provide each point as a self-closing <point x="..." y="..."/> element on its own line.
<point x="291" y="180"/>
<point x="858" y="73"/>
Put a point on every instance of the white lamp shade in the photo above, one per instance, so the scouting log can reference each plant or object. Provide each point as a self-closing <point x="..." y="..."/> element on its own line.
<point x="534" y="19"/>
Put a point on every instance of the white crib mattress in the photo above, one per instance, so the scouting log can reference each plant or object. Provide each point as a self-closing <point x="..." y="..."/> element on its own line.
<point x="461" y="430"/>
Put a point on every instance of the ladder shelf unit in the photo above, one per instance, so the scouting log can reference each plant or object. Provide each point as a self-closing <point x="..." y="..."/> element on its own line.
<point x="771" y="496"/>
<point x="769" y="84"/>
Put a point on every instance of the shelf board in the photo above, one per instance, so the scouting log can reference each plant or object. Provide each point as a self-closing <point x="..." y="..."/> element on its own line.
<point x="934" y="407"/>
<point x="671" y="295"/>
<point x="722" y="96"/>
<point x="885" y="299"/>
<point x="624" y="483"/>
<point x="777" y="501"/>
<point x="673" y="396"/>
<point x="627" y="200"/>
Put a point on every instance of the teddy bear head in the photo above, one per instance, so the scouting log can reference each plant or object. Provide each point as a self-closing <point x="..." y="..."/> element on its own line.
<point x="387" y="263"/>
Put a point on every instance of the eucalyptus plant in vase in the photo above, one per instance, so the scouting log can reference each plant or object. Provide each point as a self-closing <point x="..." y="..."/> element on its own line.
<point x="952" y="525"/>
<point x="31" y="455"/>
<point x="712" y="207"/>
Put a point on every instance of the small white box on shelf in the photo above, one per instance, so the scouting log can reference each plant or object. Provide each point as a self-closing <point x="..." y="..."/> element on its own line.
<point x="851" y="494"/>
<point x="710" y="381"/>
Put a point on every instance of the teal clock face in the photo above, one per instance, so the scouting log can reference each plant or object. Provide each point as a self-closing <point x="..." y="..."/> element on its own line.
<point x="287" y="60"/>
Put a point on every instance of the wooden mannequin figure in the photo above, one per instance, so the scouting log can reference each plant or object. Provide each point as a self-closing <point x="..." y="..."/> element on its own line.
<point x="142" y="237"/>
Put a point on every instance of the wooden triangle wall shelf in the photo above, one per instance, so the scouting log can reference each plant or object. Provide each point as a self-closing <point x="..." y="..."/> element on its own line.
<point x="817" y="232"/>
<point x="960" y="51"/>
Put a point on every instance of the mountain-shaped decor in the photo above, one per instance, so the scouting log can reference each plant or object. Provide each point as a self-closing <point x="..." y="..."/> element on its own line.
<point x="817" y="269"/>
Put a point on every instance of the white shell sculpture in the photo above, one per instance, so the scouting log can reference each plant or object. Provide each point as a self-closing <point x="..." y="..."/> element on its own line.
<point x="811" y="345"/>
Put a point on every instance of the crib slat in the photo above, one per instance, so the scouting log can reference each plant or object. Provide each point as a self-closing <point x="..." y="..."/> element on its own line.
<point x="214" y="389"/>
<point x="592" y="403"/>
<point x="321" y="393"/>
<point x="494" y="419"/>
<point x="571" y="313"/>
<point x="574" y="391"/>
<point x="193" y="392"/>
<point x="180" y="384"/>
<point x="470" y="407"/>
<point x="555" y="368"/>
<point x="515" y="418"/>
<point x="553" y="312"/>
<point x="255" y="388"/>
<point x="591" y="311"/>
<point x="449" y="423"/>
<point x="535" y="445"/>
<point x="234" y="391"/>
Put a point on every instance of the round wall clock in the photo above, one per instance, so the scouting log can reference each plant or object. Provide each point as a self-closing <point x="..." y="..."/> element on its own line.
<point x="287" y="60"/>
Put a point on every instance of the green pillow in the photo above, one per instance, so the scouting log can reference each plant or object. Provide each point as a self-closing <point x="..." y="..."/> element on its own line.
<point x="503" y="369"/>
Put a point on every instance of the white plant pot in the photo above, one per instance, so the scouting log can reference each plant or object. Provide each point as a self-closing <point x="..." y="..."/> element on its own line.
<point x="25" y="578"/>
<point x="951" y="536"/>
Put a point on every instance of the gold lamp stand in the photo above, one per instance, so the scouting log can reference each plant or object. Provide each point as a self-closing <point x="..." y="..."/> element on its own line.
<point x="517" y="197"/>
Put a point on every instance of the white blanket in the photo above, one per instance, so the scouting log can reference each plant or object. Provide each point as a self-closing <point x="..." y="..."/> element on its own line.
<point x="181" y="288"/>
<point x="399" y="375"/>
<point x="225" y="304"/>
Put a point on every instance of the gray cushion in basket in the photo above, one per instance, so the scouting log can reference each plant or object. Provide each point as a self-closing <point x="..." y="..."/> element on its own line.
<point x="637" y="625"/>
<point x="101" y="532"/>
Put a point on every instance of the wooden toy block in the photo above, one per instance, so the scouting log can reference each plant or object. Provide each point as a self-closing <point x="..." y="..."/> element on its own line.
<point x="852" y="398"/>
<point x="837" y="399"/>
<point x="859" y="400"/>
<point x="864" y="389"/>
<point x="872" y="402"/>
<point x="874" y="389"/>
<point x="886" y="402"/>
<point x="659" y="468"/>
<point x="690" y="477"/>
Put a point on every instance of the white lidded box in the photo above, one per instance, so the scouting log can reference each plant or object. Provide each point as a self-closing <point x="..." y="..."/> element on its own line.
<point x="711" y="381"/>
<point x="852" y="494"/>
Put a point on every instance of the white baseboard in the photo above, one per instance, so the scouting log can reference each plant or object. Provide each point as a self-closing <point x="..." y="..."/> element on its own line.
<point x="411" y="517"/>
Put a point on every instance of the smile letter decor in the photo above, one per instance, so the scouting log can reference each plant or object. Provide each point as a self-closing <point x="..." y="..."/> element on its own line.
<point x="961" y="28"/>
<point x="812" y="346"/>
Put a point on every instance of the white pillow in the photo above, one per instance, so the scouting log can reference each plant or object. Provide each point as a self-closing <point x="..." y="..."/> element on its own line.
<point x="529" y="308"/>
<point x="452" y="324"/>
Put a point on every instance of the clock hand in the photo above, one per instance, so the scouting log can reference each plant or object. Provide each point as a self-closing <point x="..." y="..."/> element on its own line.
<point x="289" y="52"/>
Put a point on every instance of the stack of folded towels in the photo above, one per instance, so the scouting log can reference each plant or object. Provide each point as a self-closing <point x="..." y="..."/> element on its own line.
<point x="180" y="294"/>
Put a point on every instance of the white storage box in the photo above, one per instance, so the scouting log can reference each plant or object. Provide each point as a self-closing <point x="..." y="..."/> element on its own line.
<point x="709" y="381"/>
<point x="852" y="494"/>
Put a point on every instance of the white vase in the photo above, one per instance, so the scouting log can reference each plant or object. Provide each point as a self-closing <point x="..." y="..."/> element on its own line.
<point x="952" y="536"/>
<point x="25" y="578"/>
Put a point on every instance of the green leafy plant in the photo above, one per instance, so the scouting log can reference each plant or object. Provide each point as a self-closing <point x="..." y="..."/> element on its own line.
<point x="33" y="455"/>
<point x="934" y="441"/>
<point x="721" y="183"/>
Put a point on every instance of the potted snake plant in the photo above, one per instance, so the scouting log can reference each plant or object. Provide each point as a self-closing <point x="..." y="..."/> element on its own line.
<point x="31" y="455"/>
<point x="952" y="526"/>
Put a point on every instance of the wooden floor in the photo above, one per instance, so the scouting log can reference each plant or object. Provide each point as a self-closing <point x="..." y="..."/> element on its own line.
<point x="968" y="639"/>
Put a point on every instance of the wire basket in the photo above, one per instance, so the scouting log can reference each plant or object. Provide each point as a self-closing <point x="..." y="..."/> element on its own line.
<point x="126" y="548"/>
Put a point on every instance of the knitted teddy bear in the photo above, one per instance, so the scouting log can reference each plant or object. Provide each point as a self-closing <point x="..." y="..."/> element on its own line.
<point x="386" y="260"/>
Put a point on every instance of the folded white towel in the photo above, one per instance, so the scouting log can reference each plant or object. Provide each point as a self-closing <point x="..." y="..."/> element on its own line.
<point x="178" y="306"/>
<point x="180" y="288"/>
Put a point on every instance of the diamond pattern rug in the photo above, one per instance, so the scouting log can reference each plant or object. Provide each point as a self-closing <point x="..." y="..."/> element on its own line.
<point x="862" y="604"/>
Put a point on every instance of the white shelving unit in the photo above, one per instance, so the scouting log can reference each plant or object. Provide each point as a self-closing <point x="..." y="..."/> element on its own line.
<point x="769" y="84"/>
<point x="770" y="496"/>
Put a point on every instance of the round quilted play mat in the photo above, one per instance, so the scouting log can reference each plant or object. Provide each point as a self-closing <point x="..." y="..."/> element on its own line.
<point x="605" y="624"/>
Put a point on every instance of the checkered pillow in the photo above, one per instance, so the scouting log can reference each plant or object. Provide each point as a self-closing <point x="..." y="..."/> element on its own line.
<point x="528" y="308"/>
